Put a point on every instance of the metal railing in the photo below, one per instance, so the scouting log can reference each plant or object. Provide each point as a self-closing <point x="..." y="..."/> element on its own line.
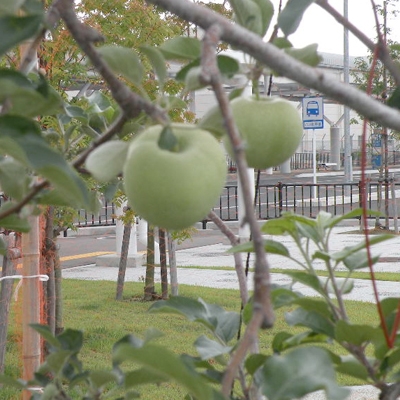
<point x="272" y="200"/>
<point x="310" y="199"/>
<point x="105" y="217"/>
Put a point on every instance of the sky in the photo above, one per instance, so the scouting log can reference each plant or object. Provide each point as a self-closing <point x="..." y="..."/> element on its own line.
<point x="318" y="26"/>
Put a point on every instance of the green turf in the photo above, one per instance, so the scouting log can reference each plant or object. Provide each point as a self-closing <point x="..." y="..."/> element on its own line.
<point x="90" y="307"/>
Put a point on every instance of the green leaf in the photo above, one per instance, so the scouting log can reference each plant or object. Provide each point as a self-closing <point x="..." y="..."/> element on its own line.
<point x="193" y="80"/>
<point x="394" y="99"/>
<point x="282" y="42"/>
<point x="321" y="255"/>
<point x="267" y="12"/>
<point x="99" y="103"/>
<point x="208" y="348"/>
<point x="28" y="98"/>
<point x="162" y="362"/>
<point x="389" y="305"/>
<point x="76" y="112"/>
<point x="3" y="246"/>
<point x="46" y="334"/>
<point x="13" y="178"/>
<point x="270" y="246"/>
<point x="352" y="367"/>
<point x="314" y="304"/>
<point x="102" y="378"/>
<point x="181" y="48"/>
<point x="358" y="212"/>
<point x="52" y="197"/>
<point x="157" y="61"/>
<point x="344" y="285"/>
<point x="33" y="6"/>
<point x="302" y="371"/>
<point x="308" y="55"/>
<point x="123" y="61"/>
<point x="282" y="297"/>
<point x="279" y="341"/>
<point x="14" y="30"/>
<point x="142" y="376"/>
<point x="312" y="320"/>
<point x="355" y="333"/>
<point x="10" y="6"/>
<point x="310" y="232"/>
<point x="167" y="140"/>
<point x="349" y="250"/>
<point x="11" y="382"/>
<point x="359" y="260"/>
<point x="248" y="15"/>
<point x="227" y="66"/>
<point x="50" y="392"/>
<point x="107" y="160"/>
<point x="253" y="362"/>
<point x="56" y="361"/>
<point x="213" y="121"/>
<point x="279" y="226"/>
<point x="307" y="279"/>
<point x="290" y="17"/>
<point x="31" y="149"/>
<point x="224" y="324"/>
<point x="284" y="340"/>
<point x="175" y="102"/>
<point x="13" y="222"/>
<point x="71" y="339"/>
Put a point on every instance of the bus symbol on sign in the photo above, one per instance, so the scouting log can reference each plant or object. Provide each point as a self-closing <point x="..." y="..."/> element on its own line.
<point x="313" y="113"/>
<point x="312" y="108"/>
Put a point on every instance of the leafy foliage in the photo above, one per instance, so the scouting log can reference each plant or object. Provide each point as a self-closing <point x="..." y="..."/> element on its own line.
<point x="45" y="139"/>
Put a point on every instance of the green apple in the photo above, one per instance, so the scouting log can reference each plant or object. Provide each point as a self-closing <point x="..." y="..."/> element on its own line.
<point x="271" y="129"/>
<point x="174" y="189"/>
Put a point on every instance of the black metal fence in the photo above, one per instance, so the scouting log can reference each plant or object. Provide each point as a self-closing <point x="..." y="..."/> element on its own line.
<point x="272" y="200"/>
<point x="105" y="217"/>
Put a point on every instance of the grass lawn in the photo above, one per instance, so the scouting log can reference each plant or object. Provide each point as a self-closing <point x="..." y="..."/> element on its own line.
<point x="90" y="306"/>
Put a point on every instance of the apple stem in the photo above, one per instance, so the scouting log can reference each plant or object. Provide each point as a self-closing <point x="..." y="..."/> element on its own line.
<point x="168" y="140"/>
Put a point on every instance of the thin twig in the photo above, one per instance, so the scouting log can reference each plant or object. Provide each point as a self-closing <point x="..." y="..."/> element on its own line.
<point x="263" y="314"/>
<point x="240" y="272"/>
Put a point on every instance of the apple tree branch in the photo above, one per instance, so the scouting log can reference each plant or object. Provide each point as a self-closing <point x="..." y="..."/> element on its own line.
<point x="284" y="64"/>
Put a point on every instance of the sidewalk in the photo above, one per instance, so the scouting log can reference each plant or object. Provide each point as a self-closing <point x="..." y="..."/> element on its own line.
<point x="208" y="248"/>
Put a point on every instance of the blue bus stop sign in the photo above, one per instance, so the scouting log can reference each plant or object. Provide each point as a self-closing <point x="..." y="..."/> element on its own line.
<point x="313" y="112"/>
<point x="376" y="161"/>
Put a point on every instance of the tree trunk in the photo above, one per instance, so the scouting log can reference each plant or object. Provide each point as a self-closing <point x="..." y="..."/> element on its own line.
<point x="59" y="324"/>
<point x="163" y="264"/>
<point x="149" y="281"/>
<point x="173" y="271"/>
<point x="123" y="260"/>
<point x="5" y="296"/>
<point x="49" y="255"/>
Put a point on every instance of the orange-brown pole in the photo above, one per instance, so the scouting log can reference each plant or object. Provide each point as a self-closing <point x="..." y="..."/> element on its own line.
<point x="31" y="293"/>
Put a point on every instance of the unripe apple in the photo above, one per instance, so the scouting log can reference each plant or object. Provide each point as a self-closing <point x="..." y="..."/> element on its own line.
<point x="174" y="189"/>
<point x="270" y="127"/>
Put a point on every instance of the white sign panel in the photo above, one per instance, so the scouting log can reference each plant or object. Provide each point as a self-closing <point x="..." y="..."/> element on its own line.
<point x="313" y="112"/>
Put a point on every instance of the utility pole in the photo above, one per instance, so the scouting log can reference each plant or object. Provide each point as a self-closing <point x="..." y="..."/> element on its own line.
<point x="348" y="161"/>
<point x="385" y="130"/>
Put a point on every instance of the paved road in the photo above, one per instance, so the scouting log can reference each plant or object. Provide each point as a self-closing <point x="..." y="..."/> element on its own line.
<point x="77" y="250"/>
